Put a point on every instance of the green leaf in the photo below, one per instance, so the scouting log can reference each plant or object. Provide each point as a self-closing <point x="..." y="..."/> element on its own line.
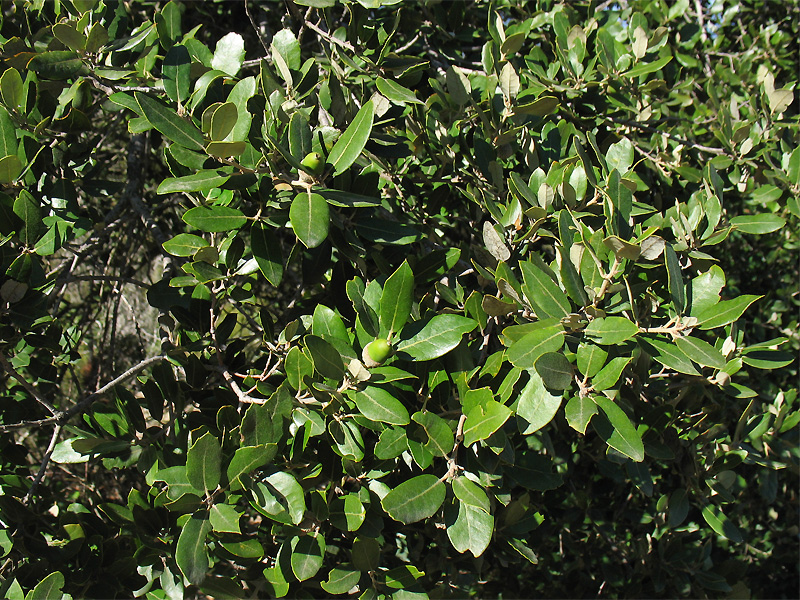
<point x="168" y="123"/>
<point x="27" y="208"/>
<point x="58" y="64"/>
<point x="669" y="355"/>
<point x="350" y="144"/>
<point x="310" y="218"/>
<point x="347" y="512"/>
<point x="470" y="493"/>
<point x="379" y="405"/>
<point x="610" y="374"/>
<point x="10" y="169"/>
<point x="246" y="459"/>
<point x="200" y="181"/>
<point x="286" y="44"/>
<point x="340" y="579"/>
<point x="440" y="436"/>
<point x="190" y="553"/>
<point x="546" y="298"/>
<point x="8" y="135"/>
<point x="298" y="366"/>
<point x="720" y="523"/>
<point x="223" y="121"/>
<point x="280" y="497"/>
<point x="307" y="554"/>
<point x="758" y="224"/>
<point x="229" y="54"/>
<point x="472" y="530"/>
<point x="185" y="244"/>
<point x="327" y="360"/>
<point x="524" y="352"/>
<point x="224" y="518"/>
<point x="440" y="335"/>
<point x="168" y="24"/>
<point x="214" y="218"/>
<point x="366" y="553"/>
<point x="226" y="149"/>
<point x="536" y="406"/>
<point x="396" y="93"/>
<point x="617" y="430"/>
<point x="267" y="252"/>
<point x="724" y="312"/>
<point x="555" y="370"/>
<point x="579" y="411"/>
<point x="397" y="298"/>
<point x="701" y="352"/>
<point x="675" y="279"/>
<point x="621" y="248"/>
<point x="366" y="315"/>
<point x="767" y="359"/>
<point x="12" y="89"/>
<point x="540" y="107"/>
<point x="203" y="462"/>
<point x="458" y="85"/>
<point x="483" y="420"/>
<point x="705" y="289"/>
<point x="176" y="70"/>
<point x="591" y="358"/>
<point x="643" y="68"/>
<point x="327" y="324"/>
<point x="416" y="499"/>
<point x="48" y="588"/>
<point x="572" y="279"/>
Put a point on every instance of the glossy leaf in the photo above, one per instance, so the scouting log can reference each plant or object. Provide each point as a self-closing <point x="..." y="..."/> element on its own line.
<point x="246" y="459"/>
<point x="414" y="500"/>
<point x="203" y="463"/>
<point x="176" y="70"/>
<point x="190" y="553"/>
<point x="379" y="405"/>
<point x="701" y="352"/>
<point x="472" y="530"/>
<point x="310" y="218"/>
<point x="524" y="352"/>
<point x="307" y="554"/>
<point x="327" y="360"/>
<point x="280" y="497"/>
<point x="11" y="88"/>
<point x="483" y="420"/>
<point x="591" y="358"/>
<point x="720" y="523"/>
<point x="758" y="224"/>
<point x="340" y="580"/>
<point x="351" y="143"/>
<point x="438" y="337"/>
<point x="267" y="252"/>
<point x="547" y="299"/>
<point x="185" y="244"/>
<point x="579" y="411"/>
<point x="610" y="331"/>
<point x="669" y="355"/>
<point x="537" y="406"/>
<point x="214" y="218"/>
<point x="724" y="312"/>
<point x="617" y="430"/>
<point x="397" y="298"/>
<point x="608" y="376"/>
<point x="555" y="370"/>
<point x="203" y="180"/>
<point x="58" y="64"/>
<point x="229" y="54"/>
<point x="675" y="279"/>
<point x="168" y="123"/>
<point x="396" y="92"/>
<point x="48" y="588"/>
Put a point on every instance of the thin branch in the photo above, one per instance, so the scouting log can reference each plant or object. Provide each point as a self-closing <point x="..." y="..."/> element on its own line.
<point x="329" y="37"/>
<point x="132" y="281"/>
<point x="24" y="383"/>
<point x="45" y="461"/>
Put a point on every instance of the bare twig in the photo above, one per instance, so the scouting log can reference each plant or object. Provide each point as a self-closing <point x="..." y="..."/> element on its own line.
<point x="45" y="461"/>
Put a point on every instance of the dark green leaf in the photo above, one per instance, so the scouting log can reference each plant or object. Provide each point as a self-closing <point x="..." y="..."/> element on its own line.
<point x="397" y="298"/>
<point x="675" y="279"/>
<point x="197" y="182"/>
<point x="185" y="244"/>
<point x="610" y="331"/>
<point x="167" y="122"/>
<point x="536" y="406"/>
<point x="349" y="146"/>
<point x="176" y="70"/>
<point x="555" y="370"/>
<point x="617" y="430"/>
<point x="483" y="420"/>
<point x="701" y="352"/>
<point x="309" y="215"/>
<point x="440" y="335"/>
<point x="472" y="529"/>
<point x="267" y="252"/>
<point x="724" y="312"/>
<point x="415" y="499"/>
<point x="610" y="374"/>
<point x="58" y="64"/>
<point x="190" y="553"/>
<point x="203" y="463"/>
<point x="327" y="360"/>
<point x="307" y="554"/>
<point x="669" y="355"/>
<point x="379" y="405"/>
<point x="524" y="352"/>
<point x="720" y="523"/>
<point x="758" y="224"/>
<point x="215" y="218"/>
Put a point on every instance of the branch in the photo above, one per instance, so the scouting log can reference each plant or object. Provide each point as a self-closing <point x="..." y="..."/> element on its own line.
<point x="24" y="383"/>
<point x="45" y="461"/>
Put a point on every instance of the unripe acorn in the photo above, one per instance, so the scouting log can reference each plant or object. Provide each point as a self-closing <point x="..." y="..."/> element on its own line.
<point x="376" y="352"/>
<point x="313" y="163"/>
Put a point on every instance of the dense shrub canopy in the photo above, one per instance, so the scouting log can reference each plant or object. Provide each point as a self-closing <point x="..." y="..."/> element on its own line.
<point x="372" y="299"/>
